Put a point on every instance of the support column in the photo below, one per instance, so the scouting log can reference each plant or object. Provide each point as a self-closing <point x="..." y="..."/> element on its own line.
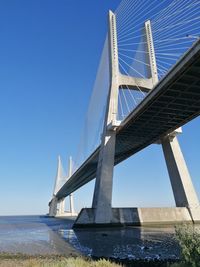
<point x="183" y="189"/>
<point x="59" y="209"/>
<point x="102" y="199"/>
<point x="62" y="207"/>
<point x="53" y="207"/>
<point x="71" y="197"/>
<point x="71" y="204"/>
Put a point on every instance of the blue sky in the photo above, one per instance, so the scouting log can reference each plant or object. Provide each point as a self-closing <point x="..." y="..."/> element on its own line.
<point x="49" y="54"/>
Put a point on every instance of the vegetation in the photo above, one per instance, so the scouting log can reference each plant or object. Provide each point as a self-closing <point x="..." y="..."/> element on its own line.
<point x="188" y="237"/>
<point x="23" y="260"/>
<point x="20" y="260"/>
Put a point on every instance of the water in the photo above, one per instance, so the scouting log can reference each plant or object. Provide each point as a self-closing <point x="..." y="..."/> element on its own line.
<point x="44" y="235"/>
<point x="33" y="235"/>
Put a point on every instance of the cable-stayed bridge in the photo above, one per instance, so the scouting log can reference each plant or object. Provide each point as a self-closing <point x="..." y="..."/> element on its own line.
<point x="147" y="86"/>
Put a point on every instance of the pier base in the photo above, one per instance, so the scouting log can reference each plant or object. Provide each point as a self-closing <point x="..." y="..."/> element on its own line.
<point x="67" y="214"/>
<point x="136" y="217"/>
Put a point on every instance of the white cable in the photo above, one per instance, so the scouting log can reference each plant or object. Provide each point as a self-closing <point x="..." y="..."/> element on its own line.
<point x="175" y="18"/>
<point x="166" y="10"/>
<point x="172" y="49"/>
<point x="161" y="67"/>
<point x="119" y="10"/>
<point x="186" y="14"/>
<point x="163" y="45"/>
<point x="169" y="54"/>
<point x="128" y="108"/>
<point x="181" y="32"/>
<point x="170" y="40"/>
<point x="136" y="8"/>
<point x="131" y="95"/>
<point x="138" y="17"/>
<point x="128" y="75"/>
<point x="170" y="11"/>
<point x="134" y="50"/>
<point x="121" y="45"/>
<point x="172" y="14"/>
<point x="166" y="57"/>
<point x="134" y="59"/>
<point x="132" y="67"/>
<point x="134" y="37"/>
<point x="178" y="24"/>
<point x="163" y="62"/>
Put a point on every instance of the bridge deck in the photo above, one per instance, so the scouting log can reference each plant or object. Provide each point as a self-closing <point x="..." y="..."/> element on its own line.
<point x="174" y="101"/>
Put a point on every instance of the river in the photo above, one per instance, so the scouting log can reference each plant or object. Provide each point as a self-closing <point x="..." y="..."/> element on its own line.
<point x="44" y="235"/>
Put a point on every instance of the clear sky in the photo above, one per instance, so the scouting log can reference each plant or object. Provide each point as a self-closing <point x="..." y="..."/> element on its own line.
<point x="49" y="54"/>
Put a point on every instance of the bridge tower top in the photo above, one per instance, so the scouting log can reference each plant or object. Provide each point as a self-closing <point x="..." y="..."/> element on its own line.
<point x="151" y="54"/>
<point x="70" y="164"/>
<point x="59" y="175"/>
<point x="124" y="80"/>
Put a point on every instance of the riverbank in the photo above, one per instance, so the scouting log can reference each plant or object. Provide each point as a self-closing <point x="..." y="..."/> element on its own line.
<point x="20" y="260"/>
<point x="23" y="260"/>
<point x="40" y="241"/>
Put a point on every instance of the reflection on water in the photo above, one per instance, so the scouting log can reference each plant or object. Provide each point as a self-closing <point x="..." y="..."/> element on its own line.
<point x="130" y="242"/>
<point x="43" y="235"/>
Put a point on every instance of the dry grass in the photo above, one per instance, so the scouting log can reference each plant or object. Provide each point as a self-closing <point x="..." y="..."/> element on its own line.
<point x="10" y="261"/>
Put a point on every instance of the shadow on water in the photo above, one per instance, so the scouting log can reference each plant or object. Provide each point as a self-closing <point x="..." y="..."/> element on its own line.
<point x="44" y="235"/>
<point x="125" y="243"/>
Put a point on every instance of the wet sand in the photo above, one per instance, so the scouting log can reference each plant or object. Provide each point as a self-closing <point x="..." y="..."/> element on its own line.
<point x="34" y="235"/>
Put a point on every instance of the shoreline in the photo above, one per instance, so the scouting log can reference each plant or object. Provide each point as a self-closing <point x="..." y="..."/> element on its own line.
<point x="37" y="260"/>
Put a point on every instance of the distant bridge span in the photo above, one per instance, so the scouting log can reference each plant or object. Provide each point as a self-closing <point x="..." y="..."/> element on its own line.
<point x="174" y="101"/>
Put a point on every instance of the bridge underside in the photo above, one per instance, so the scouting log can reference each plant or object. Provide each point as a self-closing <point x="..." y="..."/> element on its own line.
<point x="173" y="102"/>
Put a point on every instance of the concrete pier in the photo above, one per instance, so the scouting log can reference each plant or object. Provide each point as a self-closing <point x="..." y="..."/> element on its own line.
<point x="135" y="217"/>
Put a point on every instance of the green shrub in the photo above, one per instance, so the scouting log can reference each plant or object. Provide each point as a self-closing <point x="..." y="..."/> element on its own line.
<point x="188" y="237"/>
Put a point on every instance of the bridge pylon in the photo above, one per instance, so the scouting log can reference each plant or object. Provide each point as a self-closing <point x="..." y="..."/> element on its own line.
<point x="57" y="206"/>
<point x="187" y="205"/>
<point x="71" y="197"/>
<point x="102" y="199"/>
<point x="102" y="212"/>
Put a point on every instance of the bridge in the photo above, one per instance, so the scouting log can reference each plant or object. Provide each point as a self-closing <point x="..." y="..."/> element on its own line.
<point x="170" y="101"/>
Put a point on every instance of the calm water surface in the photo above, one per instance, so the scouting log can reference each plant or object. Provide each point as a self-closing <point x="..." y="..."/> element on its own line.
<point x="43" y="235"/>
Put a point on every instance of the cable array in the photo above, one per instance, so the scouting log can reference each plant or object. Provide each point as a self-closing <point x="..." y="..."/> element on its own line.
<point x="174" y="32"/>
<point x="175" y="27"/>
<point x="93" y="125"/>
